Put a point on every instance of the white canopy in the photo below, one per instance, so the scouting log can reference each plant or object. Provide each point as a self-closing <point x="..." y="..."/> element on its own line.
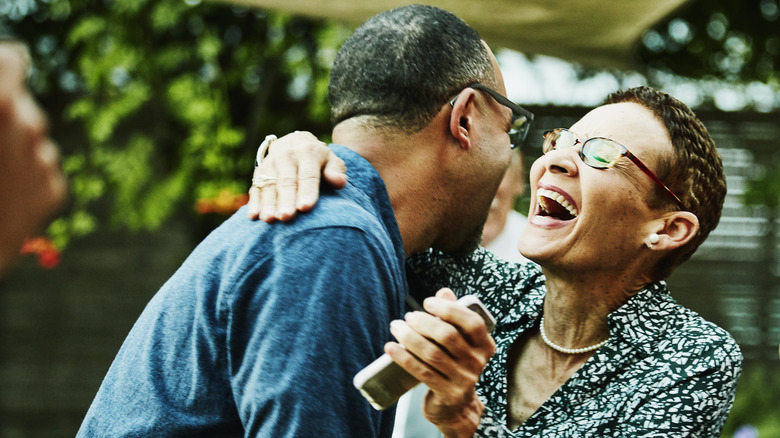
<point x="592" y="32"/>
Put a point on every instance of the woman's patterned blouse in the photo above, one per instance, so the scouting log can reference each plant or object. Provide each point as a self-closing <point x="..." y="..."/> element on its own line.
<point x="665" y="371"/>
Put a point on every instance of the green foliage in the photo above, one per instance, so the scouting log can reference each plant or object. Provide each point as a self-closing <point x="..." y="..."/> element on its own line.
<point x="731" y="40"/>
<point x="765" y="190"/>
<point x="730" y="48"/>
<point x="159" y="103"/>
<point x="756" y="401"/>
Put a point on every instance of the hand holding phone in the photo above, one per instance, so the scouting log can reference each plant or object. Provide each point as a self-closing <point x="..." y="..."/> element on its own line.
<point x="383" y="381"/>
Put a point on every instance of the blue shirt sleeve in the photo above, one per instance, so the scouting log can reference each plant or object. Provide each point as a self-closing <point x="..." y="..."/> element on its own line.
<point x="299" y="329"/>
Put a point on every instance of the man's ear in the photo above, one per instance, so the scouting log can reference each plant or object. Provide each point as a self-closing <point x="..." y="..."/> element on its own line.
<point x="462" y="118"/>
<point x="677" y="229"/>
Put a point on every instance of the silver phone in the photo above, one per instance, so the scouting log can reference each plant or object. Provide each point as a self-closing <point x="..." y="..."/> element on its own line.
<point x="383" y="381"/>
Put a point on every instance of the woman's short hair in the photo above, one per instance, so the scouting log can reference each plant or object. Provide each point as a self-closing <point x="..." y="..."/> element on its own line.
<point x="694" y="172"/>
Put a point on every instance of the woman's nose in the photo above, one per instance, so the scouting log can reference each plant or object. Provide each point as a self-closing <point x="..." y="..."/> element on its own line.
<point x="562" y="161"/>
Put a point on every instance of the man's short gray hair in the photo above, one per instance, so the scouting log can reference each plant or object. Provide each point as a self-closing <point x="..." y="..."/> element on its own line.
<point x="402" y="65"/>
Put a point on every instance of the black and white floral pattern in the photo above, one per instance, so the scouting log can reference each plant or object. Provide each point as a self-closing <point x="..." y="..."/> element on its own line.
<point x="664" y="372"/>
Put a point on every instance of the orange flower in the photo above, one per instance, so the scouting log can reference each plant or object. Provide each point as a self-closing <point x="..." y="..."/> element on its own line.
<point x="225" y="203"/>
<point x="48" y="254"/>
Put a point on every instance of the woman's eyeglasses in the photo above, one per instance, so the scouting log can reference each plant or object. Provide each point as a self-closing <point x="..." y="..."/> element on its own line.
<point x="600" y="153"/>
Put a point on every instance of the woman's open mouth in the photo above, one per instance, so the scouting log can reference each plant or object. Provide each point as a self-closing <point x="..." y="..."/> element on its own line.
<point x="554" y="204"/>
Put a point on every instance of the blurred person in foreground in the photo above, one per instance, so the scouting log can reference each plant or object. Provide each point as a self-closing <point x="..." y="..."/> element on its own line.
<point x="504" y="224"/>
<point x="261" y="330"/>
<point x="32" y="187"/>
<point x="589" y="341"/>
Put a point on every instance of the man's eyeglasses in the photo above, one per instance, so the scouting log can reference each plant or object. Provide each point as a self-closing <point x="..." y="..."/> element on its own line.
<point x="521" y="117"/>
<point x="600" y="153"/>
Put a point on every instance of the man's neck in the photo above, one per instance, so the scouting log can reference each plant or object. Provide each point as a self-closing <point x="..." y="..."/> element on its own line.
<point x="405" y="164"/>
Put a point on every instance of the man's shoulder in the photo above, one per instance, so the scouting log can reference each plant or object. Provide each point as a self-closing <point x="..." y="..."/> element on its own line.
<point x="241" y="249"/>
<point x="345" y="207"/>
<point x="332" y="212"/>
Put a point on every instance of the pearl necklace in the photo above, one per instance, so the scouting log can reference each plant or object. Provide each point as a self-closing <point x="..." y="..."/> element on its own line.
<point x="567" y="350"/>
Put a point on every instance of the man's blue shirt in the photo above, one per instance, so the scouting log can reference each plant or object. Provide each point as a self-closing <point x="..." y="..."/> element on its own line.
<point x="261" y="330"/>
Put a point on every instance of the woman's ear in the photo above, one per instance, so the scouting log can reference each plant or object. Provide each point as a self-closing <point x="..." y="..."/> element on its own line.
<point x="676" y="230"/>
<point x="462" y="118"/>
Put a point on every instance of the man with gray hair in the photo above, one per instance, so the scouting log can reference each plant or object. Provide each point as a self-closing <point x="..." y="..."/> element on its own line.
<point x="261" y="330"/>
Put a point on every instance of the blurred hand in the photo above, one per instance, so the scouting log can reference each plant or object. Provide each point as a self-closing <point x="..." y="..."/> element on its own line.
<point x="299" y="161"/>
<point x="32" y="187"/>
<point x="446" y="349"/>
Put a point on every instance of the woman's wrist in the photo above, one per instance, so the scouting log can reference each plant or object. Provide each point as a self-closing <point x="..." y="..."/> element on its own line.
<point x="464" y="423"/>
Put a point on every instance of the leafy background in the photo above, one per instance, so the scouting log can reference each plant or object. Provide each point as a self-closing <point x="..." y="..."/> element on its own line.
<point x="157" y="104"/>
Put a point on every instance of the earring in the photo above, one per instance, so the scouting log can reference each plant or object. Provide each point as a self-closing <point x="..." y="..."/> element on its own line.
<point x="653" y="239"/>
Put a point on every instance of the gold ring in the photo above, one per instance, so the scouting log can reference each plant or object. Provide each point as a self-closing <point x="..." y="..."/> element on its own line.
<point x="261" y="181"/>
